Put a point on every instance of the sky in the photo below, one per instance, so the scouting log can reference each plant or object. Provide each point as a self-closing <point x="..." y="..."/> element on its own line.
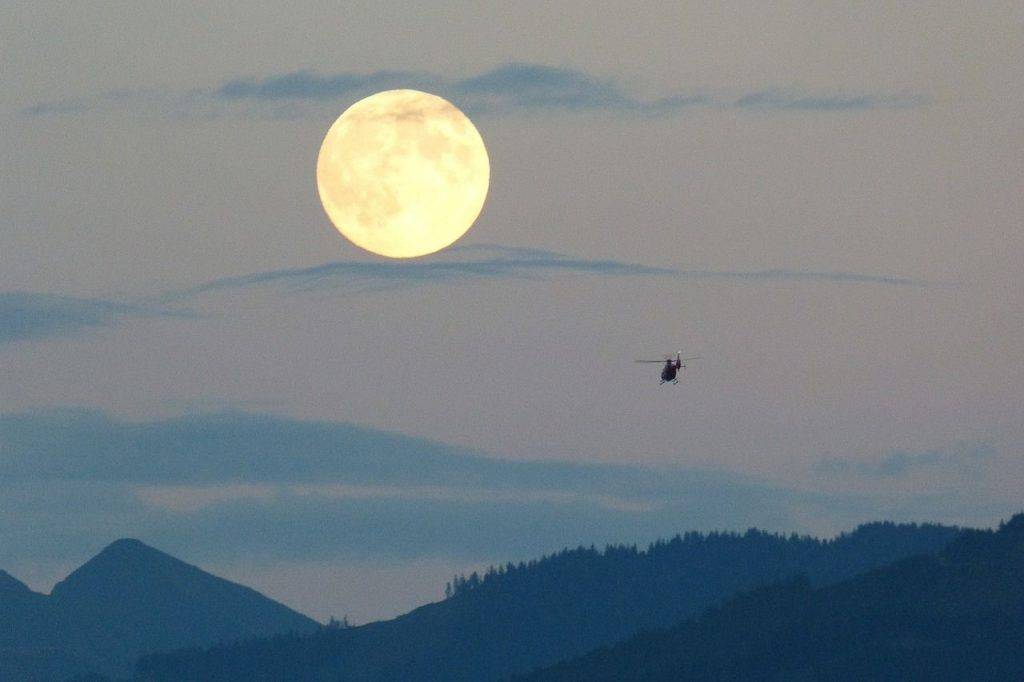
<point x="822" y="201"/>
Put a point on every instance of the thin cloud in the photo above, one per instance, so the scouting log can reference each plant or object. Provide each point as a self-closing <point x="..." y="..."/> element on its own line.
<point x="26" y="316"/>
<point x="191" y="499"/>
<point x="524" y="86"/>
<point x="809" y="275"/>
<point x="520" y="85"/>
<point x="57" y="108"/>
<point x="182" y="499"/>
<point x="224" y="483"/>
<point x="233" y="484"/>
<point x="509" y="88"/>
<point x="783" y="99"/>
<point x="901" y="463"/>
<point x="251" y="448"/>
<point x="311" y="85"/>
<point x="362" y="276"/>
<point x="489" y="262"/>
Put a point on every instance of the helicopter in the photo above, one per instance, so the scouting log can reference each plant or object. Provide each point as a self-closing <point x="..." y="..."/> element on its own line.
<point x="672" y="367"/>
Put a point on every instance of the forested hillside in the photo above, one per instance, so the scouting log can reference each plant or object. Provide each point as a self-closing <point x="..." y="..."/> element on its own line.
<point x="517" y="617"/>
<point x="955" y="616"/>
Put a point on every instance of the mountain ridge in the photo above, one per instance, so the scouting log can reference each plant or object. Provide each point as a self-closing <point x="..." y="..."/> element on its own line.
<point x="517" y="617"/>
<point x="127" y="600"/>
<point x="955" y="615"/>
<point x="10" y="584"/>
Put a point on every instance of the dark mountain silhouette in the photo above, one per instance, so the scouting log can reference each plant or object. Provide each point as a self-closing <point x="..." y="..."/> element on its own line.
<point x="127" y="600"/>
<point x="20" y="604"/>
<point x="955" y="616"/>
<point x="33" y="636"/>
<point x="518" y="617"/>
<point x="11" y="585"/>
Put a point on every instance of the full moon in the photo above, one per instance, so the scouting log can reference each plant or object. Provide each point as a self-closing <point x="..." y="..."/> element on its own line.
<point x="402" y="173"/>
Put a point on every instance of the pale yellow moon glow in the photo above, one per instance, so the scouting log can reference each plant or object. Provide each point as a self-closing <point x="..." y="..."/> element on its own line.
<point x="403" y="173"/>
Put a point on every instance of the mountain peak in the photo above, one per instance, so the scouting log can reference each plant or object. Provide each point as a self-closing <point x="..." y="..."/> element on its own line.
<point x="128" y="547"/>
<point x="127" y="542"/>
<point x="123" y="566"/>
<point x="132" y="551"/>
<point x="132" y="599"/>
